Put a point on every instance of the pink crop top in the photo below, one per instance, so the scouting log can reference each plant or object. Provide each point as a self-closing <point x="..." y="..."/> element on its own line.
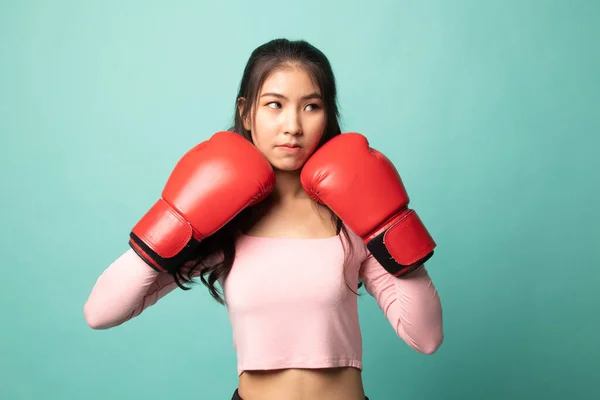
<point x="287" y="300"/>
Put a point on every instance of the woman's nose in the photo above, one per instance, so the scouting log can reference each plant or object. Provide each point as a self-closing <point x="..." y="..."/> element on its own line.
<point x="292" y="125"/>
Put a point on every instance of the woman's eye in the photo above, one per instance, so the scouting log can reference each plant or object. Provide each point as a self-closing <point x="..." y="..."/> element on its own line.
<point x="277" y="105"/>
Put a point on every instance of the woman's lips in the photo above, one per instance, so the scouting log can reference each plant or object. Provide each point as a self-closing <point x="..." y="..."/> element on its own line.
<point x="289" y="148"/>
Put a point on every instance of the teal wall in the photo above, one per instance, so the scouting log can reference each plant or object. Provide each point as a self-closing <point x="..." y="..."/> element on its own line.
<point x="489" y="109"/>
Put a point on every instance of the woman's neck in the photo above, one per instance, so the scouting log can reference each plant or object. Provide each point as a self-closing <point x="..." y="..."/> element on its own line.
<point x="288" y="187"/>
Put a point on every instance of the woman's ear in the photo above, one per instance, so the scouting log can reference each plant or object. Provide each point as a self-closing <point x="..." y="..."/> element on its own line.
<point x="245" y="121"/>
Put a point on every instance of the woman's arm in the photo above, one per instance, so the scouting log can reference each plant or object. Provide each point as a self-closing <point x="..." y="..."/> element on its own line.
<point x="126" y="288"/>
<point x="411" y="304"/>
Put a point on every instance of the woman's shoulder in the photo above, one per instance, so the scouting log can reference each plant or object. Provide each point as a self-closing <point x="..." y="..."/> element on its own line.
<point x="353" y="237"/>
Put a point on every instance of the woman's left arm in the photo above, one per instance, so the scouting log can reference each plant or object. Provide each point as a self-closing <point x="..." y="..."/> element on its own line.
<point x="411" y="304"/>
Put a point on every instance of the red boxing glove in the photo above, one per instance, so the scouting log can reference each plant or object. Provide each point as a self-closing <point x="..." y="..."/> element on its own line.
<point x="362" y="187"/>
<point x="209" y="186"/>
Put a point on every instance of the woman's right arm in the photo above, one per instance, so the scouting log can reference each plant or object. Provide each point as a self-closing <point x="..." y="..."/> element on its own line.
<point x="126" y="288"/>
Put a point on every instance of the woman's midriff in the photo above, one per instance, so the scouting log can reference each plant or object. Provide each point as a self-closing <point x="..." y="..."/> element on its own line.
<point x="302" y="384"/>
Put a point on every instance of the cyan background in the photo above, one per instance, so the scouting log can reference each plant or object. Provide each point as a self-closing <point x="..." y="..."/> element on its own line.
<point x="489" y="109"/>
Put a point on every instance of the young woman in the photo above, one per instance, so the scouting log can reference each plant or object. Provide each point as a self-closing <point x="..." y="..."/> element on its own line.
<point x="288" y="216"/>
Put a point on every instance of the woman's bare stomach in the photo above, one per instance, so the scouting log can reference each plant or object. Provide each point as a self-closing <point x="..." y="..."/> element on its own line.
<point x="302" y="384"/>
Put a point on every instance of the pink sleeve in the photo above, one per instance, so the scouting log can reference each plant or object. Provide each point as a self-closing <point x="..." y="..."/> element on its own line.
<point x="410" y="304"/>
<point x="126" y="288"/>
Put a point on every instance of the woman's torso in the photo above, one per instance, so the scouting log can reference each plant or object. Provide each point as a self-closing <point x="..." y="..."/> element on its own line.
<point x="299" y="219"/>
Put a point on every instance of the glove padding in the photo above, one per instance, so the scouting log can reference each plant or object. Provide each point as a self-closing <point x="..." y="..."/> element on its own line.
<point x="362" y="187"/>
<point x="209" y="186"/>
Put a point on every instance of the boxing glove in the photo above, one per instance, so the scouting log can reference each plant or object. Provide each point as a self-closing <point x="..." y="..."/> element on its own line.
<point x="210" y="185"/>
<point x="363" y="188"/>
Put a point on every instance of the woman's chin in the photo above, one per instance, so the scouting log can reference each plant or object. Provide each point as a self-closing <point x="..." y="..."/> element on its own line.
<point x="287" y="166"/>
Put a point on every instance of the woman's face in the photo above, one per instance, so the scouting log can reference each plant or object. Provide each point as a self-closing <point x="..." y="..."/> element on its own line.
<point x="289" y="118"/>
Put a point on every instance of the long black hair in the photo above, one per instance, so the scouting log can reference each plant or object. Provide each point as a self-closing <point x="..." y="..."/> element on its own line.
<point x="215" y="255"/>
